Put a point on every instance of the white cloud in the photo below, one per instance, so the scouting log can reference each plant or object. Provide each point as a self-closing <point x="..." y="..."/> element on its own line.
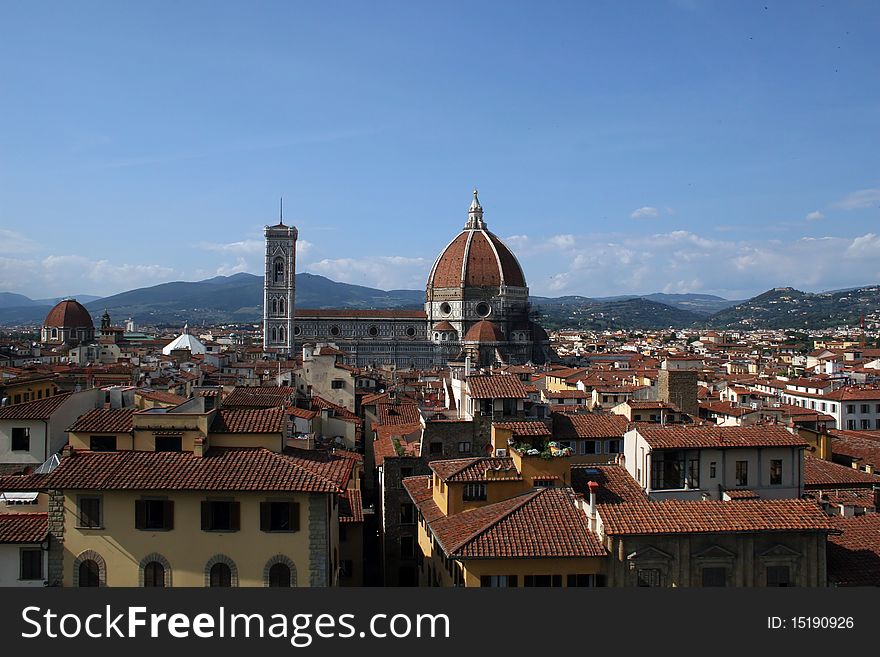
<point x="383" y="272"/>
<point x="866" y="246"/>
<point x="863" y="198"/>
<point x="244" y="246"/>
<point x="681" y="261"/>
<point x="12" y="242"/>
<point x="57" y="275"/>
<point x="815" y="216"/>
<point x="645" y="212"/>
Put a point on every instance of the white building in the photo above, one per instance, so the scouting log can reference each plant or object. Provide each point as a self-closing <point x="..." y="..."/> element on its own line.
<point x="712" y="462"/>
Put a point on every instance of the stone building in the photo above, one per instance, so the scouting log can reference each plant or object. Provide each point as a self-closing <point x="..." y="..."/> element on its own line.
<point x="476" y="304"/>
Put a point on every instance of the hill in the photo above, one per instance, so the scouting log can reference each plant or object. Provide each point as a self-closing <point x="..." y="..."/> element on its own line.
<point x="595" y="314"/>
<point x="786" y="307"/>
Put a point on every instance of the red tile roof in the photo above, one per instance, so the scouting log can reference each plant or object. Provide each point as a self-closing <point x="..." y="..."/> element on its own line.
<point x="538" y="524"/>
<point x="389" y="447"/>
<point x="249" y="420"/>
<point x="474" y="469"/>
<point x="854" y="555"/>
<point x="819" y="473"/>
<point x="42" y="409"/>
<point x="396" y="413"/>
<point x="713" y="517"/>
<point x="259" y="396"/>
<point x="23" y="527"/>
<point x="162" y="396"/>
<point x="697" y="436"/>
<point x="572" y="426"/>
<point x="497" y="386"/>
<point x="351" y="508"/>
<point x="616" y="486"/>
<point x="524" y="428"/>
<point x="220" y="469"/>
<point x="104" y="420"/>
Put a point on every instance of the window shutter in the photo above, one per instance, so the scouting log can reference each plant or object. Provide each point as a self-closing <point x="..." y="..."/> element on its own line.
<point x="206" y="516"/>
<point x="168" y="514"/>
<point x="140" y="514"/>
<point x="265" y="517"/>
<point x="294" y="516"/>
<point x="234" y="516"/>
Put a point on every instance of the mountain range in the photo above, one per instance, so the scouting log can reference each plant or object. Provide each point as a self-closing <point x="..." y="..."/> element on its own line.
<point x="238" y="299"/>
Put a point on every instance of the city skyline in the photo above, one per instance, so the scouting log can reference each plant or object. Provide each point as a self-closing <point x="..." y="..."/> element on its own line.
<point x="694" y="147"/>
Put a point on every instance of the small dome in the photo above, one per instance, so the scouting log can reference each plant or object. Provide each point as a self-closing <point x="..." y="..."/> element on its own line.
<point x="69" y="313"/>
<point x="484" y="331"/>
<point x="443" y="326"/>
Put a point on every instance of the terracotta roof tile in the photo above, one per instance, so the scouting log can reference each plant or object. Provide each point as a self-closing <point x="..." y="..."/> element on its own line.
<point x="220" y="469"/>
<point x="497" y="386"/>
<point x="538" y="524"/>
<point x="713" y="517"/>
<point x="42" y="409"/>
<point x="572" y="426"/>
<point x="249" y="420"/>
<point x="351" y="508"/>
<point x="854" y="555"/>
<point x="711" y="436"/>
<point x="524" y="428"/>
<point x="23" y="527"/>
<point x="105" y="420"/>
<point x="474" y="469"/>
<point x="819" y="473"/>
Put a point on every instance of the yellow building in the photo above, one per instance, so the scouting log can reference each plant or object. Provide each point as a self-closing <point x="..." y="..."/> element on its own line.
<point x="21" y="389"/>
<point x="187" y="497"/>
<point x="504" y="521"/>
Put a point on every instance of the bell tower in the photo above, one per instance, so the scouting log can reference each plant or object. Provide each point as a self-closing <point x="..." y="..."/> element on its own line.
<point x="279" y="286"/>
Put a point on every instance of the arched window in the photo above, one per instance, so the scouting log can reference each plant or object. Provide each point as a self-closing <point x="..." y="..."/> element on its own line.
<point x="89" y="573"/>
<point x="279" y="571"/>
<point x="281" y="334"/>
<point x="279" y="575"/>
<point x="274" y="305"/>
<point x="54" y="333"/>
<point x="281" y="306"/>
<point x="154" y="575"/>
<point x="278" y="276"/>
<point x="221" y="575"/>
<point x="274" y="334"/>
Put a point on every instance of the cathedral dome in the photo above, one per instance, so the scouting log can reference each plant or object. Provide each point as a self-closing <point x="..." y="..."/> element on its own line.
<point x="484" y="331"/>
<point x="69" y="313"/>
<point x="476" y="258"/>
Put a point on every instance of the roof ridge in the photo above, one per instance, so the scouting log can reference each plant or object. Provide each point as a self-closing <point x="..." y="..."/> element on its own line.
<point x="526" y="498"/>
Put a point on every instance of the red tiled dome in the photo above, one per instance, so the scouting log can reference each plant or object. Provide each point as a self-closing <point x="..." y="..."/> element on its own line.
<point x="69" y="313"/>
<point x="443" y="326"/>
<point x="484" y="331"/>
<point x="476" y="258"/>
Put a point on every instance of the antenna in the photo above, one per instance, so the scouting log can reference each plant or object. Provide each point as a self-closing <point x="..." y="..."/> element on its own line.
<point x="281" y="211"/>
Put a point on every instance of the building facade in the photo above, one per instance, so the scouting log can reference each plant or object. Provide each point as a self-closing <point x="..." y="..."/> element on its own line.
<point x="476" y="304"/>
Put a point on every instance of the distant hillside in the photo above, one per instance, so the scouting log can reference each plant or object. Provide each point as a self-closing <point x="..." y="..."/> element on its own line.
<point x="786" y="307"/>
<point x="702" y="304"/>
<point x="237" y="298"/>
<point x="597" y="315"/>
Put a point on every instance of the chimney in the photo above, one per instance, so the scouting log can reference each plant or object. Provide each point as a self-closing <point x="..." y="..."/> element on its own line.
<point x="199" y="447"/>
<point x="591" y="511"/>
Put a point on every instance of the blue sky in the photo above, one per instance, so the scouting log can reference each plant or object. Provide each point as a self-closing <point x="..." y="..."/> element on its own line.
<point x="619" y="147"/>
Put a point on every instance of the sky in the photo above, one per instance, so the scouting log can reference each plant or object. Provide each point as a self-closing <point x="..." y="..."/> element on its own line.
<point x="618" y="147"/>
